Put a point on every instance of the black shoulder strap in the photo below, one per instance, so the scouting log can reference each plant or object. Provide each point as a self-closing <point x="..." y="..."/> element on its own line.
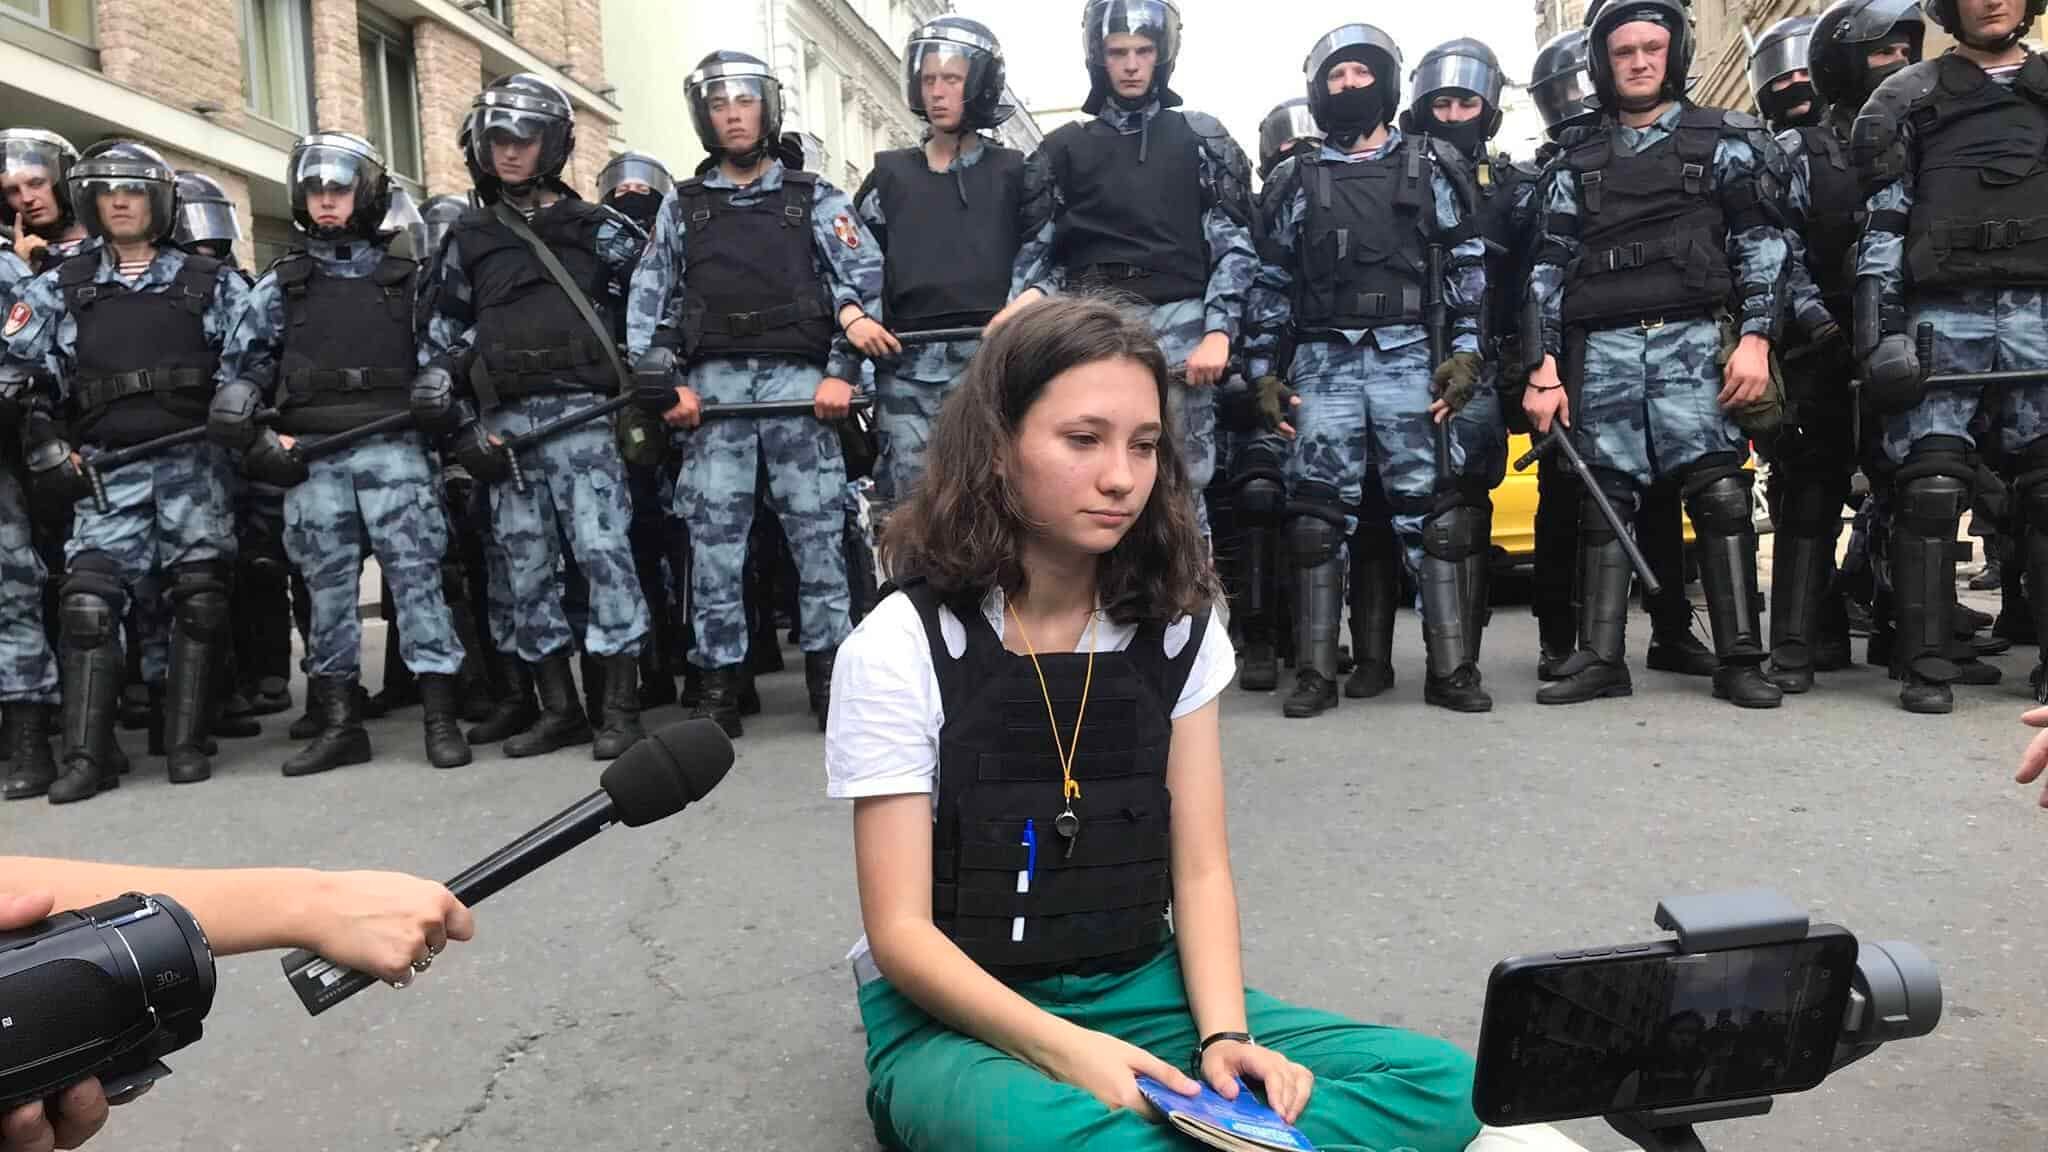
<point x="195" y="281"/>
<point x="955" y="675"/>
<point x="511" y="219"/>
<point x="395" y="275"/>
<point x="1169" y="674"/>
<point x="294" y="272"/>
<point x="799" y="192"/>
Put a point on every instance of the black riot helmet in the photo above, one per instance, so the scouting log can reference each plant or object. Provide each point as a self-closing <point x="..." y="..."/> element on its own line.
<point x="1943" y="13"/>
<point x="1777" y="54"/>
<point x="1283" y="131"/>
<point x="634" y="168"/>
<point x="437" y="216"/>
<point x="404" y="225"/>
<point x="1837" y="53"/>
<point x="339" y="162"/>
<point x="124" y="166"/>
<point x="1607" y="15"/>
<point x="1561" y="84"/>
<point x="521" y="107"/>
<point x="970" y="42"/>
<point x="205" y="214"/>
<point x="1158" y="20"/>
<point x="1349" y="116"/>
<point x="26" y="150"/>
<point x="734" y="76"/>
<point x="1461" y="65"/>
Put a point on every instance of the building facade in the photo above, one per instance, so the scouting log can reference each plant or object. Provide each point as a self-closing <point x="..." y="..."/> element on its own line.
<point x="225" y="86"/>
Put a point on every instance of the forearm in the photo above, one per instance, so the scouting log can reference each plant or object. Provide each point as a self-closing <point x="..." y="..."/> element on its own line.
<point x="241" y="909"/>
<point x="923" y="964"/>
<point x="1211" y="961"/>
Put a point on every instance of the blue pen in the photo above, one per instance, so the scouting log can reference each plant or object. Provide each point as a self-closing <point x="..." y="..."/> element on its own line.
<point x="1024" y="877"/>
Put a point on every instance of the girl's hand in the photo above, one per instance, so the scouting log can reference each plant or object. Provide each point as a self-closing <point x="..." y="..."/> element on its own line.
<point x="1108" y="1069"/>
<point x="1287" y="1084"/>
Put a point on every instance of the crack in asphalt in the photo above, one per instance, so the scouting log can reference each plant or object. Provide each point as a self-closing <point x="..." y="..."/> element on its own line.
<point x="519" y="1047"/>
<point x="638" y="928"/>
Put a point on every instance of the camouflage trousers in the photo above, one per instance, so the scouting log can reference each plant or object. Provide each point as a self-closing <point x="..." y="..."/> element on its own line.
<point x="1365" y="411"/>
<point x="575" y="490"/>
<point x="172" y="508"/>
<point x="908" y="398"/>
<point x="28" y="669"/>
<point x="1986" y="330"/>
<point x="1650" y="402"/>
<point x="1180" y="327"/>
<point x="715" y="497"/>
<point x="379" y="494"/>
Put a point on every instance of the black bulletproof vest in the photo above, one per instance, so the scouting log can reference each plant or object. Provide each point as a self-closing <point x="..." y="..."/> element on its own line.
<point x="1361" y="242"/>
<point x="1103" y="909"/>
<point x="1133" y="219"/>
<point x="1834" y="216"/>
<point x="1980" y="195"/>
<point x="144" y="367"/>
<point x="528" y="331"/>
<point x="348" y="344"/>
<point x="752" y="282"/>
<point x="955" y="237"/>
<point x="1653" y="239"/>
<point x="1510" y="241"/>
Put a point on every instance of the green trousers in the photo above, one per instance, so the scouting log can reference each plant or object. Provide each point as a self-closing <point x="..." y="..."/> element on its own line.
<point x="931" y="1089"/>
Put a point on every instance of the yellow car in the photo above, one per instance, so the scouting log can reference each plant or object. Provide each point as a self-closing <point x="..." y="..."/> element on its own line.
<point x="1514" y="506"/>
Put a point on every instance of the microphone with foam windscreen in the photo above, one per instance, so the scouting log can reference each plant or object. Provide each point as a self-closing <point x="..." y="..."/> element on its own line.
<point x="655" y="779"/>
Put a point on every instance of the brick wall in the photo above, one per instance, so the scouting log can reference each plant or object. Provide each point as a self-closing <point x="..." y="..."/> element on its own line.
<point x="593" y="151"/>
<point x="542" y="27"/>
<point x="237" y="187"/>
<point x="337" y="69"/>
<point x="450" y="67"/>
<point x="180" y="51"/>
<point x="586" y="42"/>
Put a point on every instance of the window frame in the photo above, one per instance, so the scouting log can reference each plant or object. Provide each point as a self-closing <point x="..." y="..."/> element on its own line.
<point x="300" y="12"/>
<point x="392" y="38"/>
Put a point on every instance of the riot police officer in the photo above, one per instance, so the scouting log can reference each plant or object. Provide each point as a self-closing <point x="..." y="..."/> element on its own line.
<point x="1658" y="282"/>
<point x="1345" y="272"/>
<point x="1151" y="200"/>
<point x="760" y="285"/>
<point x="523" y="287"/>
<point x="1844" y="55"/>
<point x="327" y="340"/>
<point x="131" y="329"/>
<point x="35" y="205"/>
<point x="635" y="184"/>
<point x="1950" y="261"/>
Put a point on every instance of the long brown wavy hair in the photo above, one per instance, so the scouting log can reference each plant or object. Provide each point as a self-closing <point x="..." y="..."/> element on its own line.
<point x="962" y="527"/>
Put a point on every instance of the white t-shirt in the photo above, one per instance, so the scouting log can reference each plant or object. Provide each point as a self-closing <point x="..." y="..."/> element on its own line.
<point x="882" y="733"/>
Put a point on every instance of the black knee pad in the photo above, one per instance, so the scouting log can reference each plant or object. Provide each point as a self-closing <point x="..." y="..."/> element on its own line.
<point x="1456" y="532"/>
<point x="1262" y="498"/>
<point x="1938" y="456"/>
<point x="1931" y="505"/>
<point x="199" y="597"/>
<point x="1317" y="528"/>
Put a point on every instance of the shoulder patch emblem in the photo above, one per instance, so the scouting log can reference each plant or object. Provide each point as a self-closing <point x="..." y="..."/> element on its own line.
<point x="17" y="319"/>
<point x="842" y="227"/>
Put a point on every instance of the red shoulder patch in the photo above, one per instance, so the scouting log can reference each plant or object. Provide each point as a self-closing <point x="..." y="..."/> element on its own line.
<point x="842" y="227"/>
<point x="17" y="319"/>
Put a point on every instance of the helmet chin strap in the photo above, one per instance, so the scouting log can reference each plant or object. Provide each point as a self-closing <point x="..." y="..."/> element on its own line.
<point x="1999" y="45"/>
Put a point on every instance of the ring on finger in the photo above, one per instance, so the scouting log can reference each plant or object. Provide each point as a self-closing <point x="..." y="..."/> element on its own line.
<point x="419" y="966"/>
<point x="404" y="981"/>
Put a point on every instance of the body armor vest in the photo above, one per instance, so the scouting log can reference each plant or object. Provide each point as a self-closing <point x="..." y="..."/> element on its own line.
<point x="752" y="284"/>
<point x="1361" y="241"/>
<point x="1510" y="243"/>
<point x="1102" y="908"/>
<point x="1834" y="217"/>
<point x="1654" y="240"/>
<point x="143" y="365"/>
<point x="528" y="332"/>
<point x="349" y="345"/>
<point x="1980" y="193"/>
<point x="956" y="239"/>
<point x="1133" y="218"/>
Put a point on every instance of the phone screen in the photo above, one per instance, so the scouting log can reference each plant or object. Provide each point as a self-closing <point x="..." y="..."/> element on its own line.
<point x="1589" y="1036"/>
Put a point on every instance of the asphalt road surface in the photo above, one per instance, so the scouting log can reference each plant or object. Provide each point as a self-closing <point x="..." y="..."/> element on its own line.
<point x="682" y="986"/>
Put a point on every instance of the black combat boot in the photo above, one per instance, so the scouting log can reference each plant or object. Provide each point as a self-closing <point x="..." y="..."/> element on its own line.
<point x="515" y="711"/>
<point x="719" y="698"/>
<point x="34" y="769"/>
<point x="562" y="720"/>
<point x="1314" y="540"/>
<point x="445" y="746"/>
<point x="818" y="682"/>
<point x="620" y="709"/>
<point x="342" y="740"/>
<point x="1599" y="668"/>
<point x="1453" y="573"/>
<point x="1375" y="594"/>
<point x="200" y="625"/>
<point x="1799" y="569"/>
<point x="590" y="672"/>
<point x="1928" y="511"/>
<point x="401" y="688"/>
<point x="90" y="666"/>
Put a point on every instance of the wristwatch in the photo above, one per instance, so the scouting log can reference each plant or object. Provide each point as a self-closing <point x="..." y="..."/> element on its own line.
<point x="1195" y="1060"/>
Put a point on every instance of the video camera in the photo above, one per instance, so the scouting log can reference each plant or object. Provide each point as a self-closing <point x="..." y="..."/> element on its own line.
<point x="1751" y="1001"/>
<point x="106" y="991"/>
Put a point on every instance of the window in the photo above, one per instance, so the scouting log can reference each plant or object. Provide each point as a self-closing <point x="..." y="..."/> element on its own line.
<point x="498" y="10"/>
<point x="390" y="103"/>
<point x="71" y="18"/>
<point x="277" y="56"/>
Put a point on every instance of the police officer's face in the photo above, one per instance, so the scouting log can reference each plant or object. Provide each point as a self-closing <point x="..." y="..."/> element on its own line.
<point x="1453" y="108"/>
<point x="1636" y="54"/>
<point x="1131" y="58"/>
<point x="1345" y="75"/>
<point x="514" y="160"/>
<point x="1084" y="458"/>
<point x="31" y="195"/>
<point x="331" y="205"/>
<point x="124" y="214"/>
<point x="736" y="116"/>
<point x="1885" y="56"/>
<point x="1989" y="19"/>
<point x="943" y="83"/>
<point x="628" y="187"/>
<point x="1796" y="76"/>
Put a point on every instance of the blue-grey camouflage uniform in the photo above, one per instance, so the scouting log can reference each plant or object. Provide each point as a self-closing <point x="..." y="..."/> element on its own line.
<point x="1802" y="295"/>
<point x="1180" y="325"/>
<point x="1365" y="400"/>
<point x="1649" y="403"/>
<point x="576" y="487"/>
<point x="378" y="495"/>
<point x="1986" y="329"/>
<point x="169" y="508"/>
<point x="28" y="670"/>
<point x="721" y="458"/>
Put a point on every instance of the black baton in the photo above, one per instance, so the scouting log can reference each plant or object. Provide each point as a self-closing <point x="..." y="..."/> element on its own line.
<point x="122" y="457"/>
<point x="1558" y="437"/>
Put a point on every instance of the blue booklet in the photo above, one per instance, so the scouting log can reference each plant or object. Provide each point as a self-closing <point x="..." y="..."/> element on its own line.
<point x="1240" y="1125"/>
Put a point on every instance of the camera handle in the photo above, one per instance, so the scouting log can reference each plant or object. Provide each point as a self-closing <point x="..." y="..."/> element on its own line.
<point x="1708" y="922"/>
